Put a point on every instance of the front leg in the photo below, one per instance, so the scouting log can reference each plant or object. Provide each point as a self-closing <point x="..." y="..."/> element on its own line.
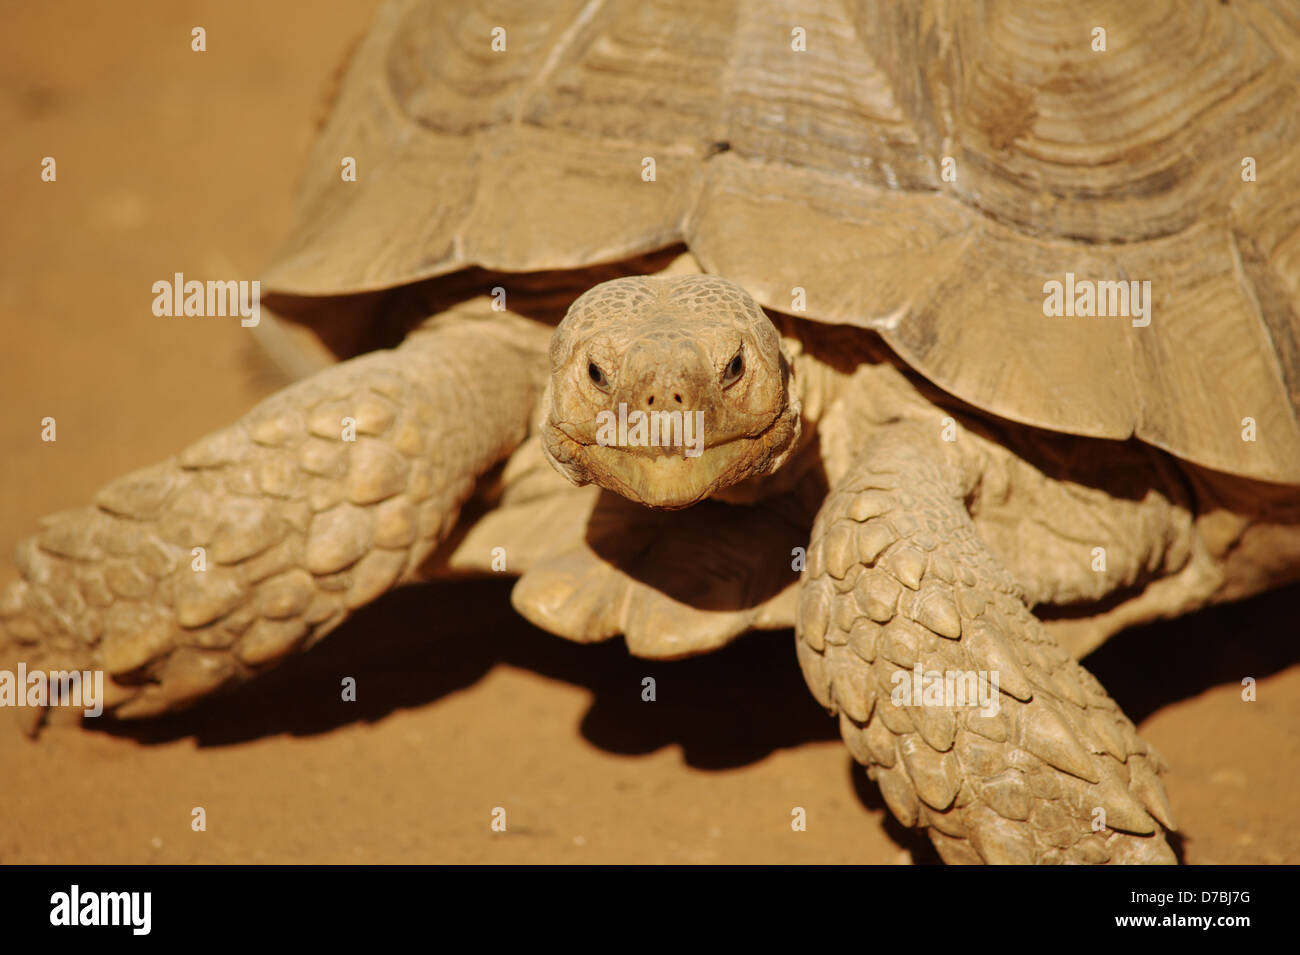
<point x="259" y="539"/>
<point x="900" y="592"/>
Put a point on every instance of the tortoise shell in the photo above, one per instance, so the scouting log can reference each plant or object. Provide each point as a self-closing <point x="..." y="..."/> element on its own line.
<point x="925" y="170"/>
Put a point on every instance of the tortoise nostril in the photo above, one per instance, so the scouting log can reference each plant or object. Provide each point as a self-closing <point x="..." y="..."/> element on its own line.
<point x="678" y="398"/>
<point x="650" y="400"/>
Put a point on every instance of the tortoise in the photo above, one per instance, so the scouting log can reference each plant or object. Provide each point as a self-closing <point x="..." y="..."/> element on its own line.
<point x="817" y="250"/>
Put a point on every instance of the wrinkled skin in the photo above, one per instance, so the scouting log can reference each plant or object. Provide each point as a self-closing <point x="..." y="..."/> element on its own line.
<point x="699" y="347"/>
<point x="899" y="574"/>
<point x="812" y="436"/>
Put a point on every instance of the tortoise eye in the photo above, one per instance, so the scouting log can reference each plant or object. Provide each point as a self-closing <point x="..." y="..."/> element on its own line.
<point x="735" y="368"/>
<point x="597" y="376"/>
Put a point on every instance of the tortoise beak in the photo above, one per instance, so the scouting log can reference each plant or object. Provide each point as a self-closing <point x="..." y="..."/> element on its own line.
<point x="668" y="476"/>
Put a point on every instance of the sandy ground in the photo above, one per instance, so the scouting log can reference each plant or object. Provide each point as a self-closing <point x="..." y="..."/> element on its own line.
<point x="172" y="161"/>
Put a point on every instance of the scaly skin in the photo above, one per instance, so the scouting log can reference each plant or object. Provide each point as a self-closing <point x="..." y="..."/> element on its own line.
<point x="897" y="576"/>
<point x="300" y="526"/>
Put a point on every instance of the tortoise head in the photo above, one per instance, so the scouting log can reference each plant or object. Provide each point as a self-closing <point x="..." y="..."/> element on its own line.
<point x="667" y="390"/>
